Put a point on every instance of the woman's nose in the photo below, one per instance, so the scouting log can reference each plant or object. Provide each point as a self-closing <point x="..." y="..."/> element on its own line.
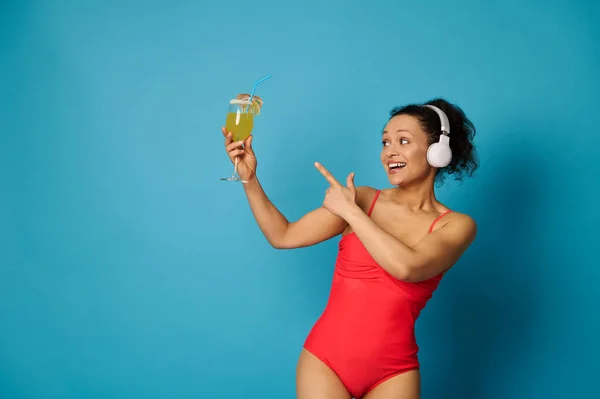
<point x="391" y="151"/>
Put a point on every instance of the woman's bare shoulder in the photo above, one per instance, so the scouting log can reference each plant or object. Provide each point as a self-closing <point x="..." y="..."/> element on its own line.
<point x="365" y="196"/>
<point x="457" y="218"/>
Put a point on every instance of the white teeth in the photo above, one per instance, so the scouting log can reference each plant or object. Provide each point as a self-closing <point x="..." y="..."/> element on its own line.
<point x="397" y="165"/>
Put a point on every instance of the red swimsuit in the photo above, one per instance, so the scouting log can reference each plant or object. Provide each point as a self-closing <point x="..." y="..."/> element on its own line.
<point x="366" y="333"/>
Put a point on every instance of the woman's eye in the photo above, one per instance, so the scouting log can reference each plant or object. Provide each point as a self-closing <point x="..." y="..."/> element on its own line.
<point x="403" y="141"/>
<point x="385" y="143"/>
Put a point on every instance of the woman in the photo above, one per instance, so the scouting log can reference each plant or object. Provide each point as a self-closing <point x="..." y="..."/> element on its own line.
<point x="396" y="245"/>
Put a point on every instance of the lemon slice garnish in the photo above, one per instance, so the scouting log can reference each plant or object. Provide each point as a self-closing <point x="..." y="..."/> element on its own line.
<point x="256" y="105"/>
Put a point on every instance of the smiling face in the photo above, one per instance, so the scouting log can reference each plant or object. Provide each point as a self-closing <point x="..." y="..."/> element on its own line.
<point x="404" y="151"/>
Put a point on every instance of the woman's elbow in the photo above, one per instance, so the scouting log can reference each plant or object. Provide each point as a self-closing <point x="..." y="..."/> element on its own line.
<point x="282" y="244"/>
<point x="277" y="244"/>
<point x="408" y="273"/>
<point x="401" y="272"/>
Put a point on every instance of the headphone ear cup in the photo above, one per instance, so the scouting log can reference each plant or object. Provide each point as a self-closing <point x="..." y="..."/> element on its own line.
<point x="439" y="155"/>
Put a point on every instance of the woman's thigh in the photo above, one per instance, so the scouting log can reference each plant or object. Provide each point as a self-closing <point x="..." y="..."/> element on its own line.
<point x="402" y="386"/>
<point x="315" y="380"/>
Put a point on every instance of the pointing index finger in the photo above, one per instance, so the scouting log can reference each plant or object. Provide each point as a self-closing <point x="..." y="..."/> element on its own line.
<point x="326" y="174"/>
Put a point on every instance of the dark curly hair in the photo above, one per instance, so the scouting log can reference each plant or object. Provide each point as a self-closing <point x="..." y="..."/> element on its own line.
<point x="462" y="131"/>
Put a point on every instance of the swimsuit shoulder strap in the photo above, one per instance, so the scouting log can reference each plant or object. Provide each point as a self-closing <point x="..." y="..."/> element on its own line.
<point x="373" y="203"/>
<point x="436" y="220"/>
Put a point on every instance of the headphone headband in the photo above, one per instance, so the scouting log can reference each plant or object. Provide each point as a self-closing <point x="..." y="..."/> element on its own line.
<point x="443" y="119"/>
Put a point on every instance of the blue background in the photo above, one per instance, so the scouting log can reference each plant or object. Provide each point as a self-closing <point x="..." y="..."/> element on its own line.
<point x="129" y="270"/>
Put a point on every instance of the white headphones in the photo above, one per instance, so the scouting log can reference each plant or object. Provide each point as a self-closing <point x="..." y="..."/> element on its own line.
<point x="439" y="154"/>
